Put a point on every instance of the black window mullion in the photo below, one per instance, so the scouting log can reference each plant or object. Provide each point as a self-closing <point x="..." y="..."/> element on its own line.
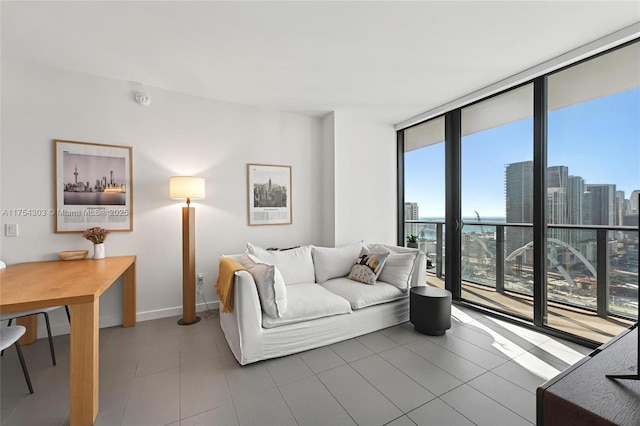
<point x="539" y="201"/>
<point x="400" y="180"/>
<point x="453" y="210"/>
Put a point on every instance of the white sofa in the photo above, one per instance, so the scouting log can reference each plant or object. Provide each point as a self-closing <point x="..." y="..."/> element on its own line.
<point x="322" y="305"/>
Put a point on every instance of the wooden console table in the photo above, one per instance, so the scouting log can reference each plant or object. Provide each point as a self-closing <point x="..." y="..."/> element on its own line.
<point x="78" y="283"/>
<point x="582" y="395"/>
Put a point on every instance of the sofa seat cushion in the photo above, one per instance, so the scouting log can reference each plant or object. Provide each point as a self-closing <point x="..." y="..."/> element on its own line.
<point x="361" y="295"/>
<point x="307" y="302"/>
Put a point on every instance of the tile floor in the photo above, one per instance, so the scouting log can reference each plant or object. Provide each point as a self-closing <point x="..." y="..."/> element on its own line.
<point x="483" y="371"/>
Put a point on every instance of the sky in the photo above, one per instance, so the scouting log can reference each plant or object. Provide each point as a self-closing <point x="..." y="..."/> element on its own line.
<point x="598" y="140"/>
<point x="93" y="167"/>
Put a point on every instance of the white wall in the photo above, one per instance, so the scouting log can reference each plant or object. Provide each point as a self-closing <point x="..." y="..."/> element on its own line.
<point x="365" y="179"/>
<point x="328" y="181"/>
<point x="344" y="183"/>
<point x="176" y="134"/>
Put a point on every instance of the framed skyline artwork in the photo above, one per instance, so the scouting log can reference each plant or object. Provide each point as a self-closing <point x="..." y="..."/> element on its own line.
<point x="269" y="194"/>
<point x="93" y="186"/>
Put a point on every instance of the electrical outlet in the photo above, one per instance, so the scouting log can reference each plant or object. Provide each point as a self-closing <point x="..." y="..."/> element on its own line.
<point x="200" y="279"/>
<point x="11" y="230"/>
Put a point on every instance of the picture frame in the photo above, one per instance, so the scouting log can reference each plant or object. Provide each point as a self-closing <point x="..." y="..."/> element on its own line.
<point x="269" y="194"/>
<point x="93" y="186"/>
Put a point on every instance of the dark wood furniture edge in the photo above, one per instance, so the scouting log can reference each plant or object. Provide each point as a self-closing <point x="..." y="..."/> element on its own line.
<point x="540" y="391"/>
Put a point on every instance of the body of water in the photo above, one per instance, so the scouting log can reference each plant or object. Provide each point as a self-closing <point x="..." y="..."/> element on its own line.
<point x="95" y="198"/>
<point x="471" y="225"/>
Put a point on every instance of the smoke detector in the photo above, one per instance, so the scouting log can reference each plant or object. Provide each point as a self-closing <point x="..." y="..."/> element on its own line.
<point x="142" y="98"/>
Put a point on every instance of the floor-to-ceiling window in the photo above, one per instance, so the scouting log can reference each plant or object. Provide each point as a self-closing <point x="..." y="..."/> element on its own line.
<point x="496" y="189"/>
<point x="593" y="168"/>
<point x="587" y="158"/>
<point x="424" y="191"/>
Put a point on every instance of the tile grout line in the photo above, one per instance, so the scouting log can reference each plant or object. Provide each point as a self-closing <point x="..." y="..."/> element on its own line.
<point x="411" y="378"/>
<point x="179" y="384"/>
<point x="281" y="395"/>
<point x="434" y="341"/>
<point x="328" y="390"/>
<point x="126" y="404"/>
<point x="493" y="399"/>
<point x="445" y="402"/>
<point x="226" y="380"/>
<point x="374" y="386"/>
<point x="450" y="374"/>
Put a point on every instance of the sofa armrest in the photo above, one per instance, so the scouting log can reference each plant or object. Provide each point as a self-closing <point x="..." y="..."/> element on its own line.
<point x="242" y="326"/>
<point x="246" y="302"/>
<point x="419" y="273"/>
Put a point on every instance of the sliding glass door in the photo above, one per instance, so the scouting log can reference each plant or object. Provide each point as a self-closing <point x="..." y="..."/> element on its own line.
<point x="497" y="202"/>
<point x="532" y="197"/>
<point x="592" y="175"/>
<point x="424" y="193"/>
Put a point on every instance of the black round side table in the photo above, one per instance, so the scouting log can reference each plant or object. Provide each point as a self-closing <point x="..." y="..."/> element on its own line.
<point x="430" y="310"/>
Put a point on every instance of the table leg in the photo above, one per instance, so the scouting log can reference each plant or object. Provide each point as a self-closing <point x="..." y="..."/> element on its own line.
<point x="129" y="296"/>
<point x="84" y="367"/>
<point x="31" y="324"/>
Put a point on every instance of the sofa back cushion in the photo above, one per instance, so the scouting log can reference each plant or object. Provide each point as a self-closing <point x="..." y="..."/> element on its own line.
<point x="336" y="262"/>
<point x="397" y="269"/>
<point x="296" y="265"/>
<point x="270" y="285"/>
<point x="400" y="265"/>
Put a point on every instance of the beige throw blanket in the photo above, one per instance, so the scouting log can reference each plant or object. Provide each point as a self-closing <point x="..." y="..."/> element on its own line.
<point x="224" y="286"/>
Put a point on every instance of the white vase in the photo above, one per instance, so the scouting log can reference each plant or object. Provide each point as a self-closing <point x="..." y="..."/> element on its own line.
<point x="98" y="251"/>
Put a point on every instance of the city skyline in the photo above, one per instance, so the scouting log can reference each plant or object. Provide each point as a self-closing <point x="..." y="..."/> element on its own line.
<point x="93" y="168"/>
<point x="563" y="188"/>
<point x="608" y="128"/>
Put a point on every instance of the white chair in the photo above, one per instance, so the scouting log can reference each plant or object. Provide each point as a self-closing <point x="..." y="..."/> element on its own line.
<point x="44" y="311"/>
<point x="10" y="336"/>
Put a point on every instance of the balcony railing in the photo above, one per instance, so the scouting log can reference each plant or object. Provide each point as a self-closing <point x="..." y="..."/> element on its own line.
<point x="591" y="267"/>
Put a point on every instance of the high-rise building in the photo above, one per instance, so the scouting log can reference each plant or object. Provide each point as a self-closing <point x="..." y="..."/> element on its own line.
<point x="557" y="212"/>
<point x="575" y="201"/>
<point x="603" y="209"/>
<point x="630" y="220"/>
<point x="586" y="207"/>
<point x="634" y="200"/>
<point x="619" y="207"/>
<point x="557" y="202"/>
<point x="411" y="213"/>
<point x="557" y="176"/>
<point x="518" y="182"/>
<point x="575" y="194"/>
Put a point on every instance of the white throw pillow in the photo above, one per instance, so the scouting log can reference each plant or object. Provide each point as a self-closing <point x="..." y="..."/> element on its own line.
<point x="334" y="262"/>
<point x="397" y="269"/>
<point x="270" y="285"/>
<point x="296" y="265"/>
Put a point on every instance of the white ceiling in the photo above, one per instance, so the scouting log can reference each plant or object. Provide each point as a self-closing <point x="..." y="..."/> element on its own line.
<point x="388" y="59"/>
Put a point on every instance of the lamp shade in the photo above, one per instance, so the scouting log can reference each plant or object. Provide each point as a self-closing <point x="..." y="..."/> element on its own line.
<point x="186" y="187"/>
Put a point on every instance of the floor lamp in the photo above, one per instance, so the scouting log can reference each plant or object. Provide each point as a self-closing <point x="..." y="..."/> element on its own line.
<point x="187" y="187"/>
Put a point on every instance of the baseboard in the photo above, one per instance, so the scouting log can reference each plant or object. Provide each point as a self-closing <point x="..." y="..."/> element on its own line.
<point x="62" y="327"/>
<point x="172" y="312"/>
